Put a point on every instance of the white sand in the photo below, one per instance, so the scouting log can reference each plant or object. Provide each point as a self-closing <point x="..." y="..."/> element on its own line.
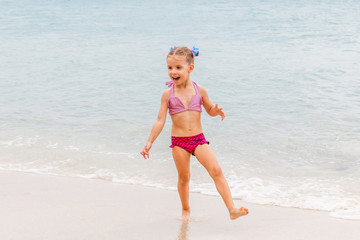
<point x="48" y="207"/>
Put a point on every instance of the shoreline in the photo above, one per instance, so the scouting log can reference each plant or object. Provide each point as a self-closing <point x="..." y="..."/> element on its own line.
<point x="35" y="206"/>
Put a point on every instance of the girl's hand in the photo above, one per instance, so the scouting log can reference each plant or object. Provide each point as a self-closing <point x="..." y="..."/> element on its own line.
<point x="220" y="112"/>
<point x="145" y="151"/>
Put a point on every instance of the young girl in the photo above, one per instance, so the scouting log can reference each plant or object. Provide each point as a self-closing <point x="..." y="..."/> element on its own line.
<point x="184" y="99"/>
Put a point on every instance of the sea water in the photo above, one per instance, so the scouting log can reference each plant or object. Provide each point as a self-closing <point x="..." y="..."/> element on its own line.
<point x="81" y="83"/>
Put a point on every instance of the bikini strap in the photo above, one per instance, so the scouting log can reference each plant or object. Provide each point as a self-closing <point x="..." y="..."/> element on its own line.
<point x="170" y="84"/>
<point x="196" y="88"/>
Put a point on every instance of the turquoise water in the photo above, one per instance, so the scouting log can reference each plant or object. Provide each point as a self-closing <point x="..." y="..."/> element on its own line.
<point x="81" y="84"/>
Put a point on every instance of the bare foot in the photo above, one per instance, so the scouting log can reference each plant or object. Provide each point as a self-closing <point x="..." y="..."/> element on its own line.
<point x="238" y="212"/>
<point x="185" y="215"/>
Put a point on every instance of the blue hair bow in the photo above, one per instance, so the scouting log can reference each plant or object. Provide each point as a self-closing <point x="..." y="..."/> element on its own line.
<point x="195" y="51"/>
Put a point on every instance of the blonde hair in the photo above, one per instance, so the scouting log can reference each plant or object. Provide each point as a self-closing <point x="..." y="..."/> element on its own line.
<point x="183" y="51"/>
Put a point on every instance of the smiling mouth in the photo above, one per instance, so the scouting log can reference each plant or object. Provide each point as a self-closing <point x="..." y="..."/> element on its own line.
<point x="175" y="78"/>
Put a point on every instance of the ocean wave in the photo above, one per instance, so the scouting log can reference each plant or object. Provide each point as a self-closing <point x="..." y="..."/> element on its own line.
<point x="308" y="195"/>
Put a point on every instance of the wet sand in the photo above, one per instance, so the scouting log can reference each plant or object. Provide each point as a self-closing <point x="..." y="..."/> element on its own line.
<point x="37" y="207"/>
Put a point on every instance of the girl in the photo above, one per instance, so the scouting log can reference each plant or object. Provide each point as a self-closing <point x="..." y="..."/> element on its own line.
<point x="184" y="99"/>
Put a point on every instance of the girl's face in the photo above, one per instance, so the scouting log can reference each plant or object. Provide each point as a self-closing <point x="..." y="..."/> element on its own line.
<point x="179" y="69"/>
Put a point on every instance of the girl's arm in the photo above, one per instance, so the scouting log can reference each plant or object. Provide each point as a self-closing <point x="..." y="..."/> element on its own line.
<point x="212" y="110"/>
<point x="158" y="125"/>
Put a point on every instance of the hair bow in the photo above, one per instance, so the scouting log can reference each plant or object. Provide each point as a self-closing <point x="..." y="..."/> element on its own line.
<point x="172" y="48"/>
<point x="195" y="51"/>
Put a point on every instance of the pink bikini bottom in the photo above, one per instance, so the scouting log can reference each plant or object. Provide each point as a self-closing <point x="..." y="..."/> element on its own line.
<point x="188" y="143"/>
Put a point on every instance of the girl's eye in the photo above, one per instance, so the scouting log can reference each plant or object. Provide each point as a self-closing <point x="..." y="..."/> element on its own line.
<point x="178" y="67"/>
<point x="169" y="68"/>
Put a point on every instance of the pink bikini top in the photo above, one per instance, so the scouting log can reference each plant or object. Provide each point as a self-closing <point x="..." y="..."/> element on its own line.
<point x="176" y="106"/>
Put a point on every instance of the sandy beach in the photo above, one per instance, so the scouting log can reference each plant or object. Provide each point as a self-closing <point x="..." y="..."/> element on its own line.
<point x="37" y="207"/>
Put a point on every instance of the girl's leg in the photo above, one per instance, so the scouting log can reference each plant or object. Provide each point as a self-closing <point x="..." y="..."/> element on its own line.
<point x="207" y="158"/>
<point x="182" y="162"/>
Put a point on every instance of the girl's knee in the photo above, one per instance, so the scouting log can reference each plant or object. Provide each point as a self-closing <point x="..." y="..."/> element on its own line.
<point x="184" y="179"/>
<point x="215" y="172"/>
